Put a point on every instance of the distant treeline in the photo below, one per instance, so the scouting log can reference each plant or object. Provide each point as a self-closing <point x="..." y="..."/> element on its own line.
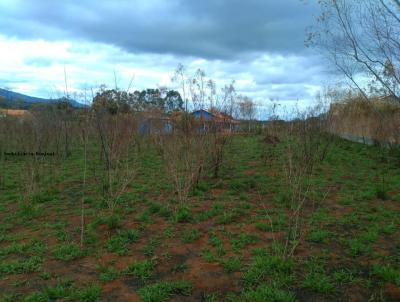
<point x="113" y="100"/>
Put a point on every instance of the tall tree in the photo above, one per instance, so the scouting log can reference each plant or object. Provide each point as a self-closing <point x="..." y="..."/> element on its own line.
<point x="173" y="101"/>
<point x="180" y="77"/>
<point x="151" y="98"/>
<point x="228" y="98"/>
<point x="247" y="109"/>
<point x="113" y="101"/>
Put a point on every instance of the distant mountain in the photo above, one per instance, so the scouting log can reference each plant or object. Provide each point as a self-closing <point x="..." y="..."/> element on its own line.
<point x="15" y="99"/>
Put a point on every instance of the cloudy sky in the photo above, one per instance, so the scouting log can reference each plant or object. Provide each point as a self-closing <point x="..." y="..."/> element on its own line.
<point x="257" y="43"/>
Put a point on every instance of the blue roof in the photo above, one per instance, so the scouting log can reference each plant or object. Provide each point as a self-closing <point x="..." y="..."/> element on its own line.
<point x="202" y="114"/>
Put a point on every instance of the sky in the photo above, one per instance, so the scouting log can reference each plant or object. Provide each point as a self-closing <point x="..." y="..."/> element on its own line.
<point x="137" y="44"/>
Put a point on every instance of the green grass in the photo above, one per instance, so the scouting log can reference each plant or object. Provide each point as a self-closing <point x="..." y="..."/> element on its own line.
<point x="151" y="246"/>
<point x="108" y="274"/>
<point x="242" y="241"/>
<point x="317" y="278"/>
<point x="66" y="290"/>
<point x="208" y="255"/>
<point x="319" y="282"/>
<point x="268" y="267"/>
<point x="264" y="293"/>
<point x="68" y="252"/>
<point x="183" y="214"/>
<point x="345" y="233"/>
<point x="141" y="270"/>
<point x="120" y="242"/>
<point x="34" y="247"/>
<point x="232" y="264"/>
<point x="190" y="235"/>
<point x="387" y="273"/>
<point x="29" y="265"/>
<point x="276" y="223"/>
<point x="227" y="218"/>
<point x="162" y="291"/>
<point x="319" y="236"/>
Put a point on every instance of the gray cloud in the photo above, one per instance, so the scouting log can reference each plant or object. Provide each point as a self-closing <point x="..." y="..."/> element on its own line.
<point x="210" y="29"/>
<point x="259" y="43"/>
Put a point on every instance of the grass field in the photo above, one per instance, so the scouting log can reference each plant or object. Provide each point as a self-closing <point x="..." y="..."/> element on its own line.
<point x="224" y="246"/>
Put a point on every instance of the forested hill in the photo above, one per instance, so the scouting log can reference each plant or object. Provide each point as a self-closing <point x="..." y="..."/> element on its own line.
<point x="11" y="99"/>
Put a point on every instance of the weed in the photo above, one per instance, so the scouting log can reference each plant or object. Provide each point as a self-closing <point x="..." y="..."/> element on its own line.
<point x="183" y="214"/>
<point x="350" y="220"/>
<point x="317" y="279"/>
<point x="35" y="247"/>
<point x="227" y="218"/>
<point x="144" y="217"/>
<point x="207" y="255"/>
<point x="181" y="267"/>
<point x="33" y="264"/>
<point x="28" y="211"/>
<point x="119" y="243"/>
<point x="162" y="291"/>
<point x="107" y="274"/>
<point x="141" y="270"/>
<point x="68" y="252"/>
<point x="357" y="247"/>
<point x="319" y="283"/>
<point x="150" y="247"/>
<point x="243" y="241"/>
<point x="232" y="264"/>
<point x="269" y="267"/>
<point x="217" y="243"/>
<point x="243" y="184"/>
<point x="65" y="290"/>
<point x="211" y="297"/>
<point x="387" y="273"/>
<point x="277" y="224"/>
<point x="320" y="216"/>
<point x="190" y="235"/>
<point x="319" y="236"/>
<point x="344" y="276"/>
<point x="381" y="193"/>
<point x="264" y="293"/>
<point x="154" y="208"/>
<point x="113" y="222"/>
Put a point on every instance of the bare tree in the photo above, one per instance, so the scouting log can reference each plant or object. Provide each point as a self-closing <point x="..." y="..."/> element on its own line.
<point x="116" y="133"/>
<point x="303" y="146"/>
<point x="181" y="78"/>
<point x="184" y="151"/>
<point x="247" y="109"/>
<point x="362" y="40"/>
<point x="198" y="85"/>
<point x="212" y="93"/>
<point x="228" y="98"/>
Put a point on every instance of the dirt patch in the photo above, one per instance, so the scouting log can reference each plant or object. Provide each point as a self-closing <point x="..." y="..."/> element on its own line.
<point x="208" y="277"/>
<point x="117" y="290"/>
<point x="392" y="291"/>
<point x="249" y="171"/>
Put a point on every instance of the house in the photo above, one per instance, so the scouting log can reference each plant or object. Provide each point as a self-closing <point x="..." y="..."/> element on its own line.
<point x="17" y="113"/>
<point x="214" y="118"/>
<point x="154" y="122"/>
<point x="161" y="123"/>
<point x="155" y="125"/>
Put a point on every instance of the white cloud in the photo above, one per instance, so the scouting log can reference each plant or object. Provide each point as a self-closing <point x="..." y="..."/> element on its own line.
<point x="36" y="67"/>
